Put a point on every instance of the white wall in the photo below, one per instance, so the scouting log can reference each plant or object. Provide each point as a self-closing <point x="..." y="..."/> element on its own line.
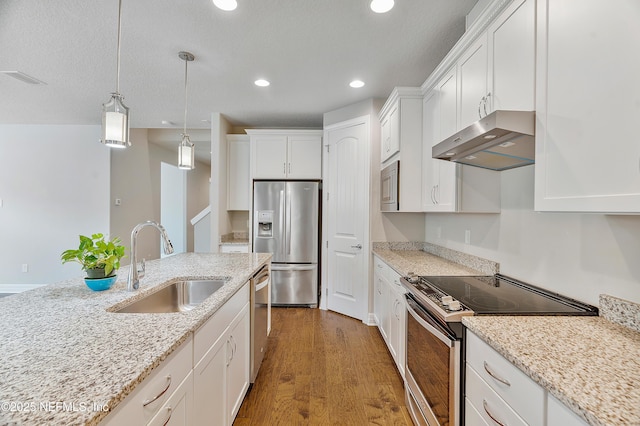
<point x="54" y="185"/>
<point x="578" y="255"/>
<point x="135" y="180"/>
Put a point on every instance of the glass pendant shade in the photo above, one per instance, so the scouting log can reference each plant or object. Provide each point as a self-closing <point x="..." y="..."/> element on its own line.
<point x="115" y="123"/>
<point x="186" y="154"/>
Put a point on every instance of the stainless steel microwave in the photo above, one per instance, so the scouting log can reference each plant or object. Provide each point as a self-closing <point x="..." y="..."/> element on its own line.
<point x="389" y="188"/>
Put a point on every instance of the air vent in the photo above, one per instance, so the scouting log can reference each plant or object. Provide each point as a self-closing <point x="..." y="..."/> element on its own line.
<point x="19" y="75"/>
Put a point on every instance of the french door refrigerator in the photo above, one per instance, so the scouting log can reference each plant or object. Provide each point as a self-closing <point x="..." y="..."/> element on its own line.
<point x="285" y="223"/>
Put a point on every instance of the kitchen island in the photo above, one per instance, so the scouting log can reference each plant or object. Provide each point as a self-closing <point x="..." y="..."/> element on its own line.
<point x="67" y="360"/>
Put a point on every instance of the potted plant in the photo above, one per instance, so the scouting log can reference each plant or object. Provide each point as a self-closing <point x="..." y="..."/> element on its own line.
<point x="99" y="258"/>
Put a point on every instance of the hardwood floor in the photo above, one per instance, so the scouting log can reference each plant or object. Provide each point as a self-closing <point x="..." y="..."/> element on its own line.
<point x="323" y="368"/>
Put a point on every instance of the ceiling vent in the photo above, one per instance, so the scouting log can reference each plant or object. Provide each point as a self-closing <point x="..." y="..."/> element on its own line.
<point x="19" y="75"/>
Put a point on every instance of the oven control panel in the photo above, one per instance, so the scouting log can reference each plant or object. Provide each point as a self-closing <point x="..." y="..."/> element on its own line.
<point x="438" y="302"/>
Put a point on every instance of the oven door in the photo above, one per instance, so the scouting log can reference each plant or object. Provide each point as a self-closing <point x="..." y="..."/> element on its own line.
<point x="433" y="368"/>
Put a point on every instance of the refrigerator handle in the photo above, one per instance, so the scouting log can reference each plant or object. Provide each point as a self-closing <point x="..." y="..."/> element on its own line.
<point x="282" y="218"/>
<point x="287" y="219"/>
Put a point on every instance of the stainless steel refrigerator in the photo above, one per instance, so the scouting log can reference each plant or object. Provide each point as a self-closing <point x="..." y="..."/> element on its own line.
<point x="286" y="223"/>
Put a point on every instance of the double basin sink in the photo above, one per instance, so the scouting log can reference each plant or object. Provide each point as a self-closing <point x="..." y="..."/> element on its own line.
<point x="180" y="296"/>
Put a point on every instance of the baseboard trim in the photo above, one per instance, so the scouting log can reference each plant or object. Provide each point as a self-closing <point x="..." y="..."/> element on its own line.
<point x="371" y="319"/>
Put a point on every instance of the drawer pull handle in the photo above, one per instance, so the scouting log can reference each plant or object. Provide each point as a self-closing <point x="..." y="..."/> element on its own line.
<point x="486" y="410"/>
<point x="149" y="401"/>
<point x="492" y="374"/>
<point x="170" y="411"/>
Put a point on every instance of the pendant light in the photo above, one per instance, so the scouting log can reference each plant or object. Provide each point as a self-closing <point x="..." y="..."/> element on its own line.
<point x="115" y="115"/>
<point x="186" y="150"/>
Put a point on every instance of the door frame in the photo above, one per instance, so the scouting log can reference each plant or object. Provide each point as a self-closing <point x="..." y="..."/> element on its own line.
<point x="326" y="180"/>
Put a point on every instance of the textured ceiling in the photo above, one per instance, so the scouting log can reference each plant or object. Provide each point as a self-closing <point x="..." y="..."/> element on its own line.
<point x="309" y="49"/>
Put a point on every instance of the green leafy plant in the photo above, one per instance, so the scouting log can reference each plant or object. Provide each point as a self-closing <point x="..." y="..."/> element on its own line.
<point x="96" y="253"/>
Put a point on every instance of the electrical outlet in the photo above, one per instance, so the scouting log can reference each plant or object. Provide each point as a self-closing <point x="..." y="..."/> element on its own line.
<point x="439" y="232"/>
<point x="118" y="201"/>
<point x="467" y="236"/>
<point x="25" y="267"/>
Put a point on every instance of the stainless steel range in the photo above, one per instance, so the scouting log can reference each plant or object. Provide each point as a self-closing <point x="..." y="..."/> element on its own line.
<point x="435" y="335"/>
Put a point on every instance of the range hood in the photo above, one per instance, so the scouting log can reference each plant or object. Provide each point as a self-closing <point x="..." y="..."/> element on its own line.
<point x="500" y="141"/>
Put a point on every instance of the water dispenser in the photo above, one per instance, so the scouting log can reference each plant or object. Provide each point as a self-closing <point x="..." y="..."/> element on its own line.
<point x="265" y="223"/>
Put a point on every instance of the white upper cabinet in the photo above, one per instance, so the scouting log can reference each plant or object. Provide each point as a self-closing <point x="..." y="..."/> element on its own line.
<point x="587" y="106"/>
<point x="511" y="52"/>
<point x="447" y="186"/>
<point x="472" y="83"/>
<point x="401" y="121"/>
<point x="286" y="154"/>
<point x="390" y="133"/>
<point x="238" y="184"/>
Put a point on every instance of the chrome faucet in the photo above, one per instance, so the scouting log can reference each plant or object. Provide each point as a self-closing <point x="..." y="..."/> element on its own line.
<point x="133" y="281"/>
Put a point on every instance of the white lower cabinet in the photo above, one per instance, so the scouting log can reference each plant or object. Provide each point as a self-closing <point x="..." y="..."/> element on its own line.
<point x="512" y="390"/>
<point x="221" y="375"/>
<point x="204" y="381"/>
<point x="559" y="414"/>
<point x="234" y="248"/>
<point x="157" y="391"/>
<point x="390" y="311"/>
<point x="179" y="408"/>
<point x="497" y="392"/>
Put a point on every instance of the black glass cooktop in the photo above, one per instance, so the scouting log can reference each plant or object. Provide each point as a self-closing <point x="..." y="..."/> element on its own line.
<point x="506" y="296"/>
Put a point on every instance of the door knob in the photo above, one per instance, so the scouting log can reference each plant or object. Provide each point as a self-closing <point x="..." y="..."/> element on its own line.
<point x="359" y="246"/>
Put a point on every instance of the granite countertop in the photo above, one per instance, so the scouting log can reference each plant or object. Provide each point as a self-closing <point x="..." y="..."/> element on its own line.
<point x="60" y="344"/>
<point x="235" y="238"/>
<point x="426" y="259"/>
<point x="591" y="364"/>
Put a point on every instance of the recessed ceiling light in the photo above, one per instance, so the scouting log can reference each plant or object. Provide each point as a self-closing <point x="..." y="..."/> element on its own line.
<point x="168" y="123"/>
<point x="226" y="4"/>
<point x="261" y="82"/>
<point x="356" y="84"/>
<point x="381" y="6"/>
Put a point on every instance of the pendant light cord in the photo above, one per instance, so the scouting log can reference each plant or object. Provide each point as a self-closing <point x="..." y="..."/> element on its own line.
<point x="186" y="63"/>
<point x="118" y="56"/>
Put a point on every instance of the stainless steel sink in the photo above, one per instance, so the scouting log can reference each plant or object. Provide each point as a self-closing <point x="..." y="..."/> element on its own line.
<point x="177" y="297"/>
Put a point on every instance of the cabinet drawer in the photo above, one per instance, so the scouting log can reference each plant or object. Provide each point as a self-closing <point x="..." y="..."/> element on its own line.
<point x="149" y="396"/>
<point x="471" y="415"/>
<point x="210" y="331"/>
<point x="178" y="408"/>
<point x="525" y="396"/>
<point x="489" y="406"/>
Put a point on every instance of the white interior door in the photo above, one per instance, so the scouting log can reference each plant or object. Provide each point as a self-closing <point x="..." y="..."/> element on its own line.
<point x="346" y="211"/>
<point x="173" y="206"/>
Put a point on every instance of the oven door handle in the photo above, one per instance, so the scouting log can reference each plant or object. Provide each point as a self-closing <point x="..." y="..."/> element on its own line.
<point x="428" y="322"/>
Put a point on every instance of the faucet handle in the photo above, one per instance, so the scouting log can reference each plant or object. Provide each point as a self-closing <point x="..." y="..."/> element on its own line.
<point x="141" y="271"/>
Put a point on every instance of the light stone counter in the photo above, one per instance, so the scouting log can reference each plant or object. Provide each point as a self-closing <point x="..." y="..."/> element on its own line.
<point x="429" y="260"/>
<point x="61" y="345"/>
<point x="591" y="364"/>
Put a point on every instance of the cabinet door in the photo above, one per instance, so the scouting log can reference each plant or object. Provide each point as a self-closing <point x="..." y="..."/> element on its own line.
<point x="472" y="83"/>
<point x="304" y="157"/>
<point x="430" y="137"/>
<point x="444" y="192"/>
<point x="238" y="362"/>
<point x="587" y="97"/>
<point x="559" y="414"/>
<point x="448" y="100"/>
<point x="209" y="386"/>
<point x="238" y="174"/>
<point x="512" y="55"/>
<point x="269" y="156"/>
<point x="385" y="144"/>
<point x="394" y="132"/>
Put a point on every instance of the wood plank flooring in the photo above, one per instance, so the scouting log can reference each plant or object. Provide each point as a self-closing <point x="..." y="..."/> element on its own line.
<point x="323" y="368"/>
